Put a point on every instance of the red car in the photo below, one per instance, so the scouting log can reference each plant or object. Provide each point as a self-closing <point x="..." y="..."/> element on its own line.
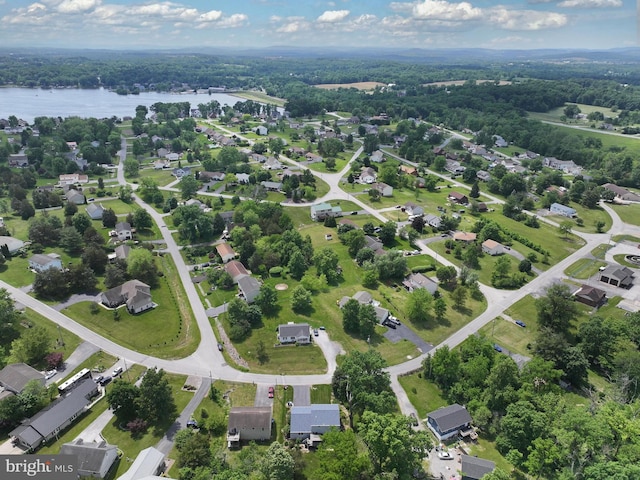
<point x="271" y="390"/>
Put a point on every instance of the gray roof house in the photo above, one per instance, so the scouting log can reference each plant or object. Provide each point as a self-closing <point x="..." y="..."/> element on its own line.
<point x="313" y="420"/>
<point x="48" y="423"/>
<point x="249" y="288"/>
<point x="74" y="196"/>
<point x="122" y="251"/>
<point x="447" y="422"/>
<point x="40" y="262"/>
<point x="432" y="220"/>
<point x="617" y="276"/>
<point x="248" y="423"/>
<point x="15" y="377"/>
<point x="134" y="294"/>
<point x="474" y="468"/>
<point x="418" y="280"/>
<point x="94" y="459"/>
<point x="123" y="231"/>
<point x="95" y="211"/>
<point x="563" y="210"/>
<point x="148" y="465"/>
<point x="294" y="333"/>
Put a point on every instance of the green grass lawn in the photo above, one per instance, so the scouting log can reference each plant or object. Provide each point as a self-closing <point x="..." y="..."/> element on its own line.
<point x="589" y="216"/>
<point x="63" y="340"/>
<point x="584" y="268"/>
<point x="98" y="362"/>
<point x="601" y="250"/>
<point x="170" y="330"/>
<point x="321" y="394"/>
<point x="131" y="447"/>
<point x="628" y="213"/>
<point x="509" y="335"/>
<point x="424" y="396"/>
<point x="16" y="272"/>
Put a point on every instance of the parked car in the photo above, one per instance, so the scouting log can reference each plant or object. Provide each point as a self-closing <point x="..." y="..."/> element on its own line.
<point x="389" y="324"/>
<point x="117" y="371"/>
<point x="322" y="328"/>
<point x="220" y="347"/>
<point x="105" y="380"/>
<point x="99" y="378"/>
<point x="520" y="323"/>
<point x="497" y="347"/>
<point x="442" y="455"/>
<point x="271" y="392"/>
<point x="315" y="332"/>
<point x="50" y="373"/>
<point x="192" y="424"/>
<point x="395" y="320"/>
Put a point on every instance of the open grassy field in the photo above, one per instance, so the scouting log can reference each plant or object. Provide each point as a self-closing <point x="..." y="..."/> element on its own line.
<point x="321" y="394"/>
<point x="584" y="268"/>
<point x="556" y="114"/>
<point x="356" y="85"/>
<point x="62" y="339"/>
<point x="169" y="330"/>
<point x="589" y="217"/>
<point x="509" y="335"/>
<point x="98" y="362"/>
<point x="424" y="396"/>
<point x="628" y="213"/>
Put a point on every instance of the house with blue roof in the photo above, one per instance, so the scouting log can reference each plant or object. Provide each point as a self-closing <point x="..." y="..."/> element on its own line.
<point x="321" y="211"/>
<point x="559" y="209"/>
<point x="309" y="422"/>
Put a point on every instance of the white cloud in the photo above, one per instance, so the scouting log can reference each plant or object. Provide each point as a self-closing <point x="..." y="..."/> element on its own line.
<point x="210" y="16"/>
<point x="526" y="19"/>
<point x="233" y="21"/>
<point x="77" y="6"/>
<point x="591" y="3"/>
<point x="331" y="16"/>
<point x="443" y="10"/>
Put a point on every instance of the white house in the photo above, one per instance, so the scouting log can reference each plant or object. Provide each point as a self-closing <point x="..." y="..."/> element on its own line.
<point x="75" y="197"/>
<point x="377" y="157"/>
<point x="248" y="423"/>
<point x="242" y="177"/>
<point x="493" y="248"/>
<point x="72" y="179"/>
<point x="94" y="459"/>
<point x="134" y="294"/>
<point x="95" y="211"/>
<point x="261" y="130"/>
<point x="294" y="333"/>
<point x="413" y="209"/>
<point x="323" y="210"/>
<point x="368" y="175"/>
<point x="123" y="231"/>
<point x="432" y="220"/>
<point x="249" y="288"/>
<point x="384" y="189"/>
<point x="563" y="210"/>
<point x="40" y="262"/>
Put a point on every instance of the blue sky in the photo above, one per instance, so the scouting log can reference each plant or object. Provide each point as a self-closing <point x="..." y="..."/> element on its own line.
<point x="145" y="24"/>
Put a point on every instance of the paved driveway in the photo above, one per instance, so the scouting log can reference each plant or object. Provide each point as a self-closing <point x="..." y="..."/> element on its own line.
<point x="302" y="395"/>
<point x="262" y="395"/>
<point x="402" y="332"/>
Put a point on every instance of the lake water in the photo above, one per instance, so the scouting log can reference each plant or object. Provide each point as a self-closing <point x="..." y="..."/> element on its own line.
<point x="29" y="103"/>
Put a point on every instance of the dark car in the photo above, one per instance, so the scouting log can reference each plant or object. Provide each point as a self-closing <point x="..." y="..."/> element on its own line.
<point x="497" y="348"/>
<point x="105" y="380"/>
<point x="520" y="323"/>
<point x="220" y="347"/>
<point x="390" y="324"/>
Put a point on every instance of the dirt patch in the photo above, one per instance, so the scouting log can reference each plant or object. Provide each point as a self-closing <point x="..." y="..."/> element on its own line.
<point x="358" y="85"/>
<point x="282" y="286"/>
<point x="461" y="82"/>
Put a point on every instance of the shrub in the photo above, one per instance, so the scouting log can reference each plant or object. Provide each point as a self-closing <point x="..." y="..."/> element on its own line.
<point x="275" y="271"/>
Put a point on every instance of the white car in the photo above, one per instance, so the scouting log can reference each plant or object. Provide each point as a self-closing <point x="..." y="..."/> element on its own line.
<point x="50" y="373"/>
<point x="442" y="455"/>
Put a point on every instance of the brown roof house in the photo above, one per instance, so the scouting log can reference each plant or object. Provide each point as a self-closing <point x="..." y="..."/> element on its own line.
<point x="592" y="296"/>
<point x="466" y="237"/>
<point x="226" y="252"/>
<point x="458" y="198"/>
<point x="134" y="294"/>
<point x="493" y="248"/>
<point x="236" y="270"/>
<point x="617" y="276"/>
<point x="248" y="423"/>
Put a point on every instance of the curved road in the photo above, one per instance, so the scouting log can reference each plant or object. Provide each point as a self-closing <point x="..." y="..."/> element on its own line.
<point x="207" y="361"/>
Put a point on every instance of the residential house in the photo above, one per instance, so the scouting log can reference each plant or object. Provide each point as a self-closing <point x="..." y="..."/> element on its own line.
<point x="368" y="175"/>
<point x="235" y="269"/>
<point x="559" y="209"/>
<point x="459" y="198"/>
<point x="121" y="252"/>
<point x="482" y="207"/>
<point x="413" y="209"/>
<point x="123" y="231"/>
<point x="565" y="166"/>
<point x="243" y="178"/>
<point x="95" y="211"/>
<point x="466" y="237"/>
<point x="299" y="333"/>
<point x="483" y="175"/>
<point x="409" y="170"/>
<point x="48" y="423"/>
<point x="161" y="164"/>
<point x="135" y="294"/>
<point x="447" y="422"/>
<point x="418" y="280"/>
<point x="622" y="193"/>
<point x="617" y="276"/>
<point x="201" y="206"/>
<point x="257" y="157"/>
<point x="374" y="244"/>
<point x="272" y="163"/>
<point x="14" y="377"/>
<point x="172" y="157"/>
<point x="13" y="244"/>
<point x="500" y="142"/>
<point x="18" y="160"/>
<point x="272" y="186"/>
<point x="432" y="220"/>
<point x="148" y="465"/>
<point x="93" y="459"/>
<point x="377" y="157"/>
<point x="75" y="197"/>
<point x="454" y="167"/>
<point x="72" y="179"/>
<point x="321" y="211"/>
<point x="493" y="248"/>
<point x="249" y="288"/>
<point x="180" y="172"/>
<point x="312" y="157"/>
<point x="261" y="130"/>
<point x="40" y="262"/>
<point x="592" y="296"/>
<point x="212" y="176"/>
<point x="364" y="298"/>
<point x="309" y="422"/>
<point x="226" y="252"/>
<point x="474" y="468"/>
<point x="382" y="188"/>
<point x="247" y="424"/>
